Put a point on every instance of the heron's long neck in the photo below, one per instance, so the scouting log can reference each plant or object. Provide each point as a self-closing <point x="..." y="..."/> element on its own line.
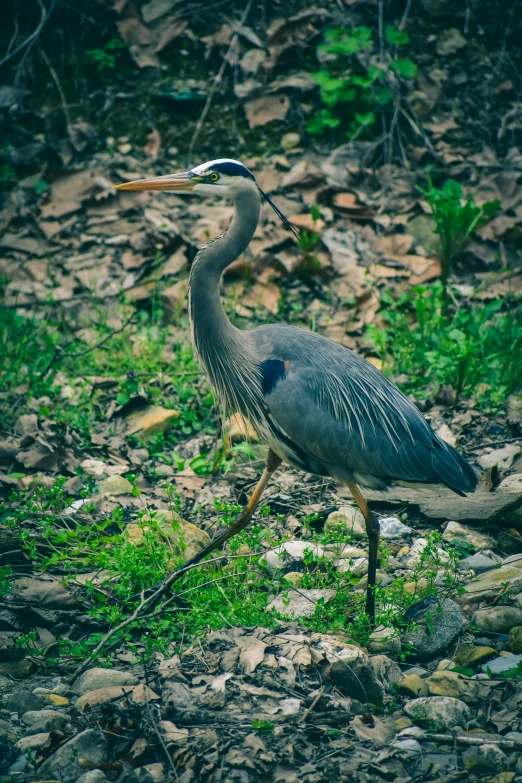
<point x="216" y="340"/>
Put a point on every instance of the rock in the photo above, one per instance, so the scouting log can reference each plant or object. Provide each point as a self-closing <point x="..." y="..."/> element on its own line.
<point x="487" y="586"/>
<point x="32" y="742"/>
<point x="363" y="581"/>
<point x="115" y="485"/>
<point x="66" y="763"/>
<point x="38" y="721"/>
<point x="26" y="424"/>
<point x="18" y="670"/>
<point x="471" y="655"/>
<point x="497" y="619"/>
<point x="348" y="519"/>
<point x="454" y="531"/>
<point x="502" y="664"/>
<point x="150" y="421"/>
<point x="413" y="685"/>
<point x="408" y="745"/>
<point x="415" y="553"/>
<point x="356" y="568"/>
<point x="178" y="701"/>
<point x="102" y="695"/>
<point x="300" y="603"/>
<point x="437" y="624"/>
<point x="93" y="776"/>
<point x="356" y="674"/>
<point x="295" y="578"/>
<point x="385" y="640"/>
<point x="291" y="553"/>
<point x="239" y="429"/>
<point x="514" y="644"/>
<point x="290" y="141"/>
<point x="57" y="700"/>
<point x="479" y="563"/>
<point x="450" y="42"/>
<point x="150" y="773"/>
<point x="391" y="527"/>
<point x="422" y="229"/>
<point x="484" y="758"/>
<point x="439" y="503"/>
<point x="23" y="701"/>
<point x="184" y="539"/>
<point x="448" y="683"/>
<point x="439" y="712"/>
<point x="96" y="678"/>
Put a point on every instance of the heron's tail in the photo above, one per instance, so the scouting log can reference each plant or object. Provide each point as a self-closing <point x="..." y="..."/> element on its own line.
<point x="450" y="468"/>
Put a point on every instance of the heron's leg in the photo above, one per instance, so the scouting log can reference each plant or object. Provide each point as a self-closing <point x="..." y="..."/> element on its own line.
<point x="272" y="463"/>
<point x="373" y="531"/>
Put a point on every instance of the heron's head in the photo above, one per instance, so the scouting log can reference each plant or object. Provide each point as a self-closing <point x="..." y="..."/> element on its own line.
<point x="222" y="177"/>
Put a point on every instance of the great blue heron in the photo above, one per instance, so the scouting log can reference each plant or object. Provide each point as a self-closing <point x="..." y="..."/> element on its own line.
<point x="317" y="405"/>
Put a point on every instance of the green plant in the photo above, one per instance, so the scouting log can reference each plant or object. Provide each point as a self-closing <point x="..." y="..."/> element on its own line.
<point x="470" y="344"/>
<point x="107" y="57"/>
<point x="356" y="86"/>
<point x="455" y="220"/>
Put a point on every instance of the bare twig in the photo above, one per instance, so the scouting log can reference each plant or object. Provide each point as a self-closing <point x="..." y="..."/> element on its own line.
<point x="215" y="84"/>
<point x="502" y="743"/>
<point x="58" y="86"/>
<point x="44" y="18"/>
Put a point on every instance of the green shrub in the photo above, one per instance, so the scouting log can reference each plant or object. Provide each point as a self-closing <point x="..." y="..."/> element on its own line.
<point x="355" y="88"/>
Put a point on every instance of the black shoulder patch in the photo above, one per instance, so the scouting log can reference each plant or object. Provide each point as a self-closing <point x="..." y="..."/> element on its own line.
<point x="232" y="169"/>
<point x="273" y="371"/>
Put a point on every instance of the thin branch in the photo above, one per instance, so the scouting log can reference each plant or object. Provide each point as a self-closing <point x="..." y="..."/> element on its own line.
<point x="58" y="86"/>
<point x="34" y="35"/>
<point x="215" y="84"/>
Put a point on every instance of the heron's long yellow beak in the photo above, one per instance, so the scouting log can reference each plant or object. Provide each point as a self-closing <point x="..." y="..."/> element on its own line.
<point x="168" y="182"/>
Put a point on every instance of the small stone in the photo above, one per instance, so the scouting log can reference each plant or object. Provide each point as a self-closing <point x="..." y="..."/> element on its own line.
<point x="150" y="421"/>
<point x="300" y="603"/>
<point x="18" y="670"/>
<point x="450" y="42"/>
<point x="349" y="520"/>
<point x="478" y="563"/>
<point x="57" y="700"/>
<point x="363" y="581"/>
<point x="102" y="695"/>
<point x="125" y="148"/>
<point x="23" y="701"/>
<point x="171" y="528"/>
<point x="150" y="773"/>
<point x="454" y="531"/>
<point x="418" y="548"/>
<point x="413" y="685"/>
<point x="514" y="644"/>
<point x="441" y="712"/>
<point x="483" y="758"/>
<point x="408" y="745"/>
<point x="391" y="527"/>
<point x="239" y="429"/>
<point x="89" y="746"/>
<point x="93" y="776"/>
<point x="32" y="742"/>
<point x="356" y="568"/>
<point x="38" y="721"/>
<point x="471" y="655"/>
<point x="437" y="624"/>
<point x="385" y="640"/>
<point x="502" y="664"/>
<point x="447" y="683"/>
<point x="290" y="141"/>
<point x="115" y="485"/>
<point x="497" y="619"/>
<point x="295" y="578"/>
<point x="96" y="678"/>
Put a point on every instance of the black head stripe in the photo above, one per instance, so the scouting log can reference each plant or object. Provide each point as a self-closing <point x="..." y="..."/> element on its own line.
<point x="284" y="220"/>
<point x="232" y="169"/>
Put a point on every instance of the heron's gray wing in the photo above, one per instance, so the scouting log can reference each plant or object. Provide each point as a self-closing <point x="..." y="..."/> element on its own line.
<point x="345" y="413"/>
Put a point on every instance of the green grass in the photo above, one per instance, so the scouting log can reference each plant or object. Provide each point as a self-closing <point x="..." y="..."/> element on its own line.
<point x="211" y="596"/>
<point x="474" y="347"/>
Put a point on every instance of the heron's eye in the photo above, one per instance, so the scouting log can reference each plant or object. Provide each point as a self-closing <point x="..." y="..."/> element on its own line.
<point x="214" y="177"/>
